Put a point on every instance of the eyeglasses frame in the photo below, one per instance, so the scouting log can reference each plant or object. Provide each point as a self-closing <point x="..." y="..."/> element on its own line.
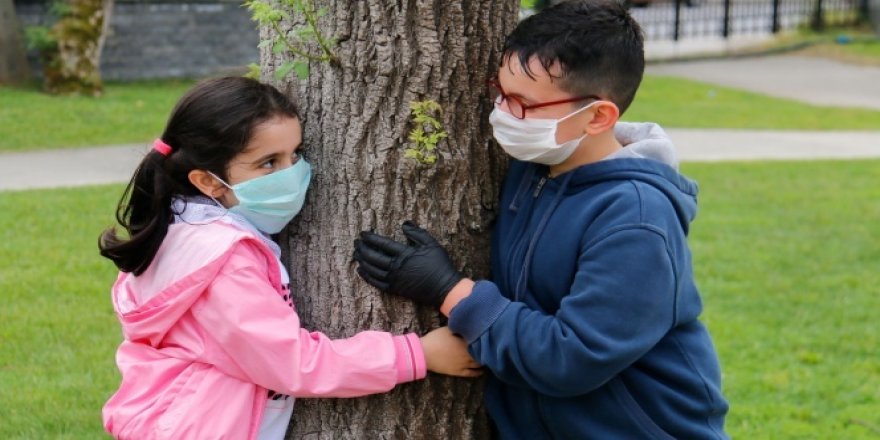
<point x="493" y="82"/>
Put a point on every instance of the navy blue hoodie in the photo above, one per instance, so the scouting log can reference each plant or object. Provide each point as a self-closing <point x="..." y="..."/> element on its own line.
<point x="589" y="324"/>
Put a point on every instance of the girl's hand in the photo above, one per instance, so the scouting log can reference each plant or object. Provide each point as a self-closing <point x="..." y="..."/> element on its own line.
<point x="446" y="353"/>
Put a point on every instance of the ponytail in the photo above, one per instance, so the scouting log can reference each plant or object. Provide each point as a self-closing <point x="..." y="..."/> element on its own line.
<point x="144" y="212"/>
<point x="208" y="127"/>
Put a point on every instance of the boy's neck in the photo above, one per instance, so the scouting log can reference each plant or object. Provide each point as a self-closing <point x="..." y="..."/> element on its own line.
<point x="592" y="149"/>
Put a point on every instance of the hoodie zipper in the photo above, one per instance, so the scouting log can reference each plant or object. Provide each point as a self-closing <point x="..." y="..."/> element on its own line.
<point x="520" y="242"/>
<point x="530" y="241"/>
<point x="539" y="187"/>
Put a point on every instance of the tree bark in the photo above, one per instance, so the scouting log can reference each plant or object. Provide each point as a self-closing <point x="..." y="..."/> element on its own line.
<point x="14" y="66"/>
<point x="357" y="123"/>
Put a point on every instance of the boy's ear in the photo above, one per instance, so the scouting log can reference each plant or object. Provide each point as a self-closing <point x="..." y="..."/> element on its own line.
<point x="206" y="183"/>
<point x="605" y="115"/>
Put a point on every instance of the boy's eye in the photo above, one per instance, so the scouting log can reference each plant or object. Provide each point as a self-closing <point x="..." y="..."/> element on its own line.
<point x="268" y="164"/>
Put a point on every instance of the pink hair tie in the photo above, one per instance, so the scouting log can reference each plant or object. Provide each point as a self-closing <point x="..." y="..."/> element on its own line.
<point x="163" y="148"/>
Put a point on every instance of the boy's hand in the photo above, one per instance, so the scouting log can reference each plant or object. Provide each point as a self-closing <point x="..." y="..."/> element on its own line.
<point x="446" y="353"/>
<point x="421" y="270"/>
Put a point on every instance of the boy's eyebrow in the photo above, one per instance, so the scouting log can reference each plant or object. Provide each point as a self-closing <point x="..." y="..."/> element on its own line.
<point x="525" y="99"/>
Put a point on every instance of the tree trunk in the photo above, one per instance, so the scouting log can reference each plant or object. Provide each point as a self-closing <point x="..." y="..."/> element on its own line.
<point x="75" y="67"/>
<point x="357" y="121"/>
<point x="13" y="58"/>
<point x="106" y="19"/>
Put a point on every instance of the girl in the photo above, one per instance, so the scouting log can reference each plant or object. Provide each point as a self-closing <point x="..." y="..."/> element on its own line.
<point x="212" y="346"/>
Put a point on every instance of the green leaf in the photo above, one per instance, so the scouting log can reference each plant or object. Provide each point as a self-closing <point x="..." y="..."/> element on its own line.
<point x="279" y="46"/>
<point x="302" y="69"/>
<point x="304" y="33"/>
<point x="284" y="70"/>
<point x="253" y="71"/>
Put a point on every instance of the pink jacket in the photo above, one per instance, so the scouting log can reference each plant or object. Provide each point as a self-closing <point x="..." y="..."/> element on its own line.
<point x="215" y="333"/>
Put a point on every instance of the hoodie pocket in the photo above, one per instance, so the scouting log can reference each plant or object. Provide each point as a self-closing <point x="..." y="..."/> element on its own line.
<point x="635" y="412"/>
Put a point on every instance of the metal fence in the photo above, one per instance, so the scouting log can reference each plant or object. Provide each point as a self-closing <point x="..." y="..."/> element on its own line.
<point x="676" y="20"/>
<point x="680" y="19"/>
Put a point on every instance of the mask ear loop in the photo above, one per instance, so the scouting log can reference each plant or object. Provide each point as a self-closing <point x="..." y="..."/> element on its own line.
<point x="224" y="184"/>
<point x="556" y="127"/>
<point x="578" y="111"/>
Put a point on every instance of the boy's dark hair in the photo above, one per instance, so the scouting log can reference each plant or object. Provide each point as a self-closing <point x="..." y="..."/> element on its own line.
<point x="599" y="47"/>
<point x="209" y="126"/>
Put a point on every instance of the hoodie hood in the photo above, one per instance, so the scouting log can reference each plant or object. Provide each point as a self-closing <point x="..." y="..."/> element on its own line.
<point x="188" y="260"/>
<point x="648" y="156"/>
<point x="645" y="140"/>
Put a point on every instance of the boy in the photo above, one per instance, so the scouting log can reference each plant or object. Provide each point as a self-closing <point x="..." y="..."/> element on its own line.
<point x="589" y="324"/>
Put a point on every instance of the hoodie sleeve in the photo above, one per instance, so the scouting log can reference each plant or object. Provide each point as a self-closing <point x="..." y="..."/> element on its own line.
<point x="620" y="305"/>
<point x="257" y="338"/>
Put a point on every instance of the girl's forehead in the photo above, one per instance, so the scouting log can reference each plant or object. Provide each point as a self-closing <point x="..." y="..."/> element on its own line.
<point x="279" y="133"/>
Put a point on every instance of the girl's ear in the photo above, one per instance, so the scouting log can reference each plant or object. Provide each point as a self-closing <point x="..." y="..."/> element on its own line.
<point x="605" y="115"/>
<point x="207" y="183"/>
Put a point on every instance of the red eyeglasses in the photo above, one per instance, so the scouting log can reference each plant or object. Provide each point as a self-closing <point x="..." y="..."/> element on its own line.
<point x="517" y="107"/>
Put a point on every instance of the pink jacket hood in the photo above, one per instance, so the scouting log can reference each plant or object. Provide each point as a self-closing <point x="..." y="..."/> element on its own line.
<point x="208" y="330"/>
<point x="150" y="304"/>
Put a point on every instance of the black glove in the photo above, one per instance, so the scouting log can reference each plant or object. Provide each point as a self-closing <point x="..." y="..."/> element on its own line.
<point x="420" y="271"/>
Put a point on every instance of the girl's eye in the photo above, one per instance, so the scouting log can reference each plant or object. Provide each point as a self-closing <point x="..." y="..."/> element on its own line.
<point x="295" y="157"/>
<point x="268" y="164"/>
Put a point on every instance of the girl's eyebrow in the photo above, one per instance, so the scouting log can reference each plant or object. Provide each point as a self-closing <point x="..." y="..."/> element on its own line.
<point x="265" y="157"/>
<point x="268" y="156"/>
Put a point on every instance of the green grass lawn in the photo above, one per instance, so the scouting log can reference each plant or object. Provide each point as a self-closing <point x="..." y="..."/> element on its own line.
<point x="136" y="113"/>
<point x="58" y="329"/>
<point x="127" y="113"/>
<point x="676" y="102"/>
<point x="785" y="253"/>
<point x="859" y="45"/>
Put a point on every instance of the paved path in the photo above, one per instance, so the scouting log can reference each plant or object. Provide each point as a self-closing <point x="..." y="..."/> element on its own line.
<point x="115" y="164"/>
<point x="72" y="167"/>
<point x="808" y="79"/>
<point x="717" y="145"/>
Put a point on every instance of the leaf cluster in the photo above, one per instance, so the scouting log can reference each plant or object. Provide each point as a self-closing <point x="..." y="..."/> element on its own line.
<point x="294" y="41"/>
<point x="427" y="133"/>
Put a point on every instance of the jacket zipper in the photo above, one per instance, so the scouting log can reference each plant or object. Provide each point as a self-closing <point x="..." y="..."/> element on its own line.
<point x="520" y="244"/>
<point x="539" y="187"/>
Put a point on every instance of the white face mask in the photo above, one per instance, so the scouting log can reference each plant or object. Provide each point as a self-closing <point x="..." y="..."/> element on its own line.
<point x="533" y="140"/>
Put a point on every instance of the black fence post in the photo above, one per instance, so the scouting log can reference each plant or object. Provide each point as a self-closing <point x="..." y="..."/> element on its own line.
<point x="676" y="33"/>
<point x="725" y="31"/>
<point x="818" y="22"/>
<point x="775" y="26"/>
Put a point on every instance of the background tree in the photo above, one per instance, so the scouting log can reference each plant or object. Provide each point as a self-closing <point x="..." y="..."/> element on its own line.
<point x="13" y="58"/>
<point x="357" y="118"/>
<point x="71" y="54"/>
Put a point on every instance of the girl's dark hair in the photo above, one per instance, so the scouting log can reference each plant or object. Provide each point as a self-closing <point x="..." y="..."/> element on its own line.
<point x="210" y="125"/>
<point x="598" y="45"/>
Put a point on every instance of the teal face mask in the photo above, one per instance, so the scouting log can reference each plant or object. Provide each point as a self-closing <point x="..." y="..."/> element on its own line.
<point x="270" y="202"/>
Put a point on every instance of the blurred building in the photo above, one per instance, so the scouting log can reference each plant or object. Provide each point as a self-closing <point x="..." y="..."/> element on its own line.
<point x="167" y="39"/>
